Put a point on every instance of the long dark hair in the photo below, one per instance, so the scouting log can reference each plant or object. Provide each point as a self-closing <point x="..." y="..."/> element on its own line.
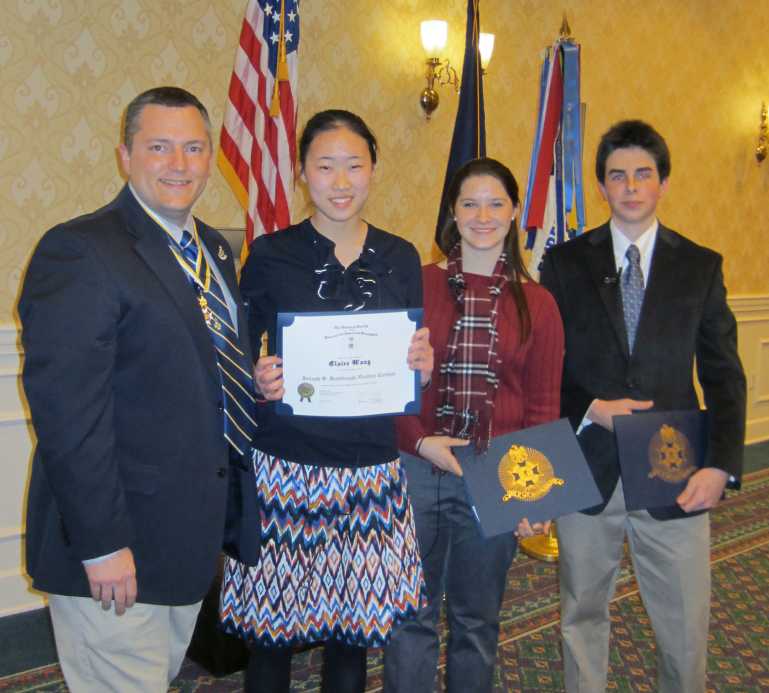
<point x="514" y="268"/>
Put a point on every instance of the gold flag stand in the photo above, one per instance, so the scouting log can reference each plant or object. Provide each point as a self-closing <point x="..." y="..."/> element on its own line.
<point x="543" y="547"/>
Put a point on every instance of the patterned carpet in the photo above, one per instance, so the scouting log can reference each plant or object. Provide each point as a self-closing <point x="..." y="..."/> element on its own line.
<point x="529" y="656"/>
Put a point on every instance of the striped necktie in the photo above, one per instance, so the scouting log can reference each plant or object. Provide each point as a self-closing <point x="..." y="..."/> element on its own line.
<point x="632" y="286"/>
<point x="234" y="369"/>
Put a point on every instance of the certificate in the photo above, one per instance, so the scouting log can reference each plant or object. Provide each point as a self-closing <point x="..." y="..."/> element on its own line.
<point x="344" y="364"/>
<point x="658" y="452"/>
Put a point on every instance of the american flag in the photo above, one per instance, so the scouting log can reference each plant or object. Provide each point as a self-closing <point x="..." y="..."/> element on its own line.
<point x="258" y="141"/>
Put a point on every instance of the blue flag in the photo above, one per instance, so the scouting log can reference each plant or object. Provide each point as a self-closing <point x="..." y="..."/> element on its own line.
<point x="469" y="140"/>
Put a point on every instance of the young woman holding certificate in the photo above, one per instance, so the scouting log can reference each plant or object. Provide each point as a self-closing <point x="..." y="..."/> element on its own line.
<point x="499" y="344"/>
<point x="339" y="561"/>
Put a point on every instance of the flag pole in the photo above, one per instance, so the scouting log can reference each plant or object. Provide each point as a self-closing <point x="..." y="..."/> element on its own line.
<point x="554" y="189"/>
<point x="469" y="138"/>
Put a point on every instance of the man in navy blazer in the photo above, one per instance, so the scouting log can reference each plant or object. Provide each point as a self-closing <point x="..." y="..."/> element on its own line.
<point x="615" y="366"/>
<point x="127" y="498"/>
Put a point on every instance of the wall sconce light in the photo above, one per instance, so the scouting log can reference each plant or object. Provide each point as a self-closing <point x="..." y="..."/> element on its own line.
<point x="763" y="136"/>
<point x="434" y="33"/>
<point x="485" y="48"/>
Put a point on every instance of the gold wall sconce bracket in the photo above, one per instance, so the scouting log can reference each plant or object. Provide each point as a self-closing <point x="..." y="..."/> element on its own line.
<point x="763" y="136"/>
<point x="440" y="73"/>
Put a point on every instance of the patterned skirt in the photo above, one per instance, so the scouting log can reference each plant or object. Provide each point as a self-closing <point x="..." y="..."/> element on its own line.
<point x="339" y="557"/>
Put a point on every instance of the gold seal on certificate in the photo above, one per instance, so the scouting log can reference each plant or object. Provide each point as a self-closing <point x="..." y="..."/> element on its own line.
<point x="670" y="455"/>
<point x="526" y="474"/>
<point x="306" y="391"/>
<point x="344" y="364"/>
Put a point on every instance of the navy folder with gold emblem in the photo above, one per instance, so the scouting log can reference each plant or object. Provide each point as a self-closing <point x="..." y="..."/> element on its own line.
<point x="658" y="452"/>
<point x="539" y="473"/>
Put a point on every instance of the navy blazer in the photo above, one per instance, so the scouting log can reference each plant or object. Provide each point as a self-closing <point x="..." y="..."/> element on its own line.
<point x="684" y="315"/>
<point x="122" y="382"/>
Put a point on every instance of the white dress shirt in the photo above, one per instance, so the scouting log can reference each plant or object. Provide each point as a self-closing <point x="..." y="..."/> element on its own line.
<point x="645" y="244"/>
<point x="620" y="243"/>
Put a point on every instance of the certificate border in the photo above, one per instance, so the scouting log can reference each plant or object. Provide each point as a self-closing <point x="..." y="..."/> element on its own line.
<point x="286" y="319"/>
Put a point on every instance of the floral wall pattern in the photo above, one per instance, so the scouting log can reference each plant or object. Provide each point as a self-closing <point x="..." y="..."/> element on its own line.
<point x="697" y="69"/>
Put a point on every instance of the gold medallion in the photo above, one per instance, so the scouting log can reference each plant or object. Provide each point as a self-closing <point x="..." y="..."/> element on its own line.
<point x="208" y="315"/>
<point x="305" y="391"/>
<point x="670" y="455"/>
<point x="526" y="474"/>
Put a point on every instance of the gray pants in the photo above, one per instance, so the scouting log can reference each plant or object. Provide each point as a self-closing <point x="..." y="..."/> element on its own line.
<point x="470" y="570"/>
<point x="671" y="562"/>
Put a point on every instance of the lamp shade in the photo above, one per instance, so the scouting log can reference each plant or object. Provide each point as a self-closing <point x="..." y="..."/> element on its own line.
<point x="486" y="48"/>
<point x="434" y="33"/>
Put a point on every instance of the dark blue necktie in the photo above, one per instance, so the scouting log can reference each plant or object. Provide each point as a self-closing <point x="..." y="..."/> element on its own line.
<point x="234" y="369"/>
<point x="632" y="286"/>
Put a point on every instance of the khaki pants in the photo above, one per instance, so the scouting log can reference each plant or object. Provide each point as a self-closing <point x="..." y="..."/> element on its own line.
<point x="671" y="560"/>
<point x="139" y="652"/>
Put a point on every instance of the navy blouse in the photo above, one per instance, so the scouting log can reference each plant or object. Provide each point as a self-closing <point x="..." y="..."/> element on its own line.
<point x="296" y="270"/>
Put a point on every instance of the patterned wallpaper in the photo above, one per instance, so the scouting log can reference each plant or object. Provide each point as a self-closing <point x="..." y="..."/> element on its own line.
<point x="698" y="69"/>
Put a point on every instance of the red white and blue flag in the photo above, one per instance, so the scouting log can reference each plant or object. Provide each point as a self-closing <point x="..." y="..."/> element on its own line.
<point x="257" y="151"/>
<point x="554" y="208"/>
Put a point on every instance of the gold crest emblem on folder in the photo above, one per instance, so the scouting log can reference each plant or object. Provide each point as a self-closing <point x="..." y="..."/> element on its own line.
<point x="526" y="474"/>
<point x="670" y="455"/>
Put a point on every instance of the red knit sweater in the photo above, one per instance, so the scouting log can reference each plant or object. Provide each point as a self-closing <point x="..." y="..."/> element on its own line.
<point x="530" y="380"/>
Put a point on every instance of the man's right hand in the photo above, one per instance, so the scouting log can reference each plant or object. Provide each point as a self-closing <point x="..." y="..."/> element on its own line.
<point x="437" y="449"/>
<point x="602" y="411"/>
<point x="114" y="579"/>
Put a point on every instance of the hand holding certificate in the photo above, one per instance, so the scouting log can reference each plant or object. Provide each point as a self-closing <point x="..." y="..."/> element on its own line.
<point x="346" y="364"/>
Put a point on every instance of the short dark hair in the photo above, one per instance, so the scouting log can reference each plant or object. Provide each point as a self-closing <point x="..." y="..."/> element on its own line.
<point x="449" y="235"/>
<point x="171" y="97"/>
<point x="332" y="119"/>
<point x="633" y="133"/>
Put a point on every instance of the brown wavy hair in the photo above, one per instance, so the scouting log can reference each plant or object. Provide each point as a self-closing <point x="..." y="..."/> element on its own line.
<point x="449" y="236"/>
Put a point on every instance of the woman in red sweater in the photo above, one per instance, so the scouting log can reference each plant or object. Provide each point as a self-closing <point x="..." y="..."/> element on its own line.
<point x="498" y="341"/>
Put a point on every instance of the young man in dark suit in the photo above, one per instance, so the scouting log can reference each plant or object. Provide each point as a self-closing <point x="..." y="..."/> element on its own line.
<point x="136" y="407"/>
<point x="640" y="304"/>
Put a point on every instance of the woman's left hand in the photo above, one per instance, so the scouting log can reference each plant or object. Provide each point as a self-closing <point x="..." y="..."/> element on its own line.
<point x="528" y="530"/>
<point x="420" y="356"/>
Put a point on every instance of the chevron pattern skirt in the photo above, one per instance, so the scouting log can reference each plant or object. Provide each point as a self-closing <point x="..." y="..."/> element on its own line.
<point x="339" y="557"/>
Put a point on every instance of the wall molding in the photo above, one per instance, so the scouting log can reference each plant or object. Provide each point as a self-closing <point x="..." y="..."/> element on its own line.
<point x="16" y="595"/>
<point x="745" y="305"/>
<point x="752" y="314"/>
<point x="9" y="337"/>
<point x="12" y="532"/>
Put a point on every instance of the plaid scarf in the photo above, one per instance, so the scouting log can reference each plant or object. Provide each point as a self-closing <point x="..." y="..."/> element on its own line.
<point x="469" y="371"/>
